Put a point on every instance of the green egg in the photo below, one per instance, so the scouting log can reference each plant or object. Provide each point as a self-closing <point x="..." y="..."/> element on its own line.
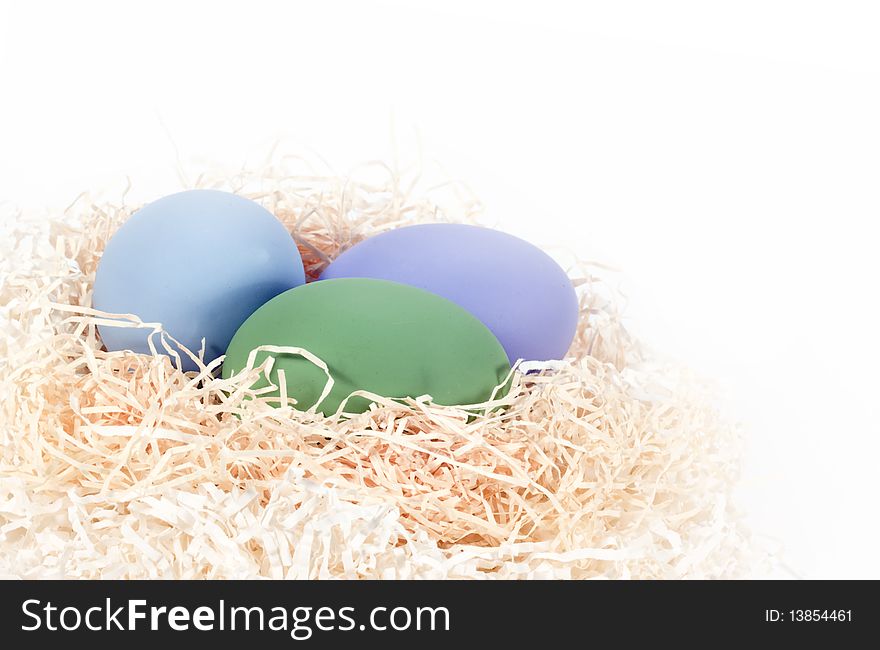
<point x="387" y="338"/>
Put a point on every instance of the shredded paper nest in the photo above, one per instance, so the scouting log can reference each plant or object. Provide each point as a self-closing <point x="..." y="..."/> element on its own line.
<point x="608" y="464"/>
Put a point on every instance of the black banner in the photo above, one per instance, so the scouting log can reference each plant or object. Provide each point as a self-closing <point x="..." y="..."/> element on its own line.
<point x="399" y="614"/>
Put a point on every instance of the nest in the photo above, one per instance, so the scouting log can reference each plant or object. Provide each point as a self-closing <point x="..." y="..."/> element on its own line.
<point x="609" y="463"/>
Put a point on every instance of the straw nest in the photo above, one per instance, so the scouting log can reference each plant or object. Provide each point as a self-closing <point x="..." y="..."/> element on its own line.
<point x="117" y="465"/>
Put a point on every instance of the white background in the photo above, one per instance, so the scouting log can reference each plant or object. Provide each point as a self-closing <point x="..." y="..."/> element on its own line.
<point x="726" y="155"/>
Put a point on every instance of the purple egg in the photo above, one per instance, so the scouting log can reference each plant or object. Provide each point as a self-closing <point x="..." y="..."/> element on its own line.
<point x="518" y="291"/>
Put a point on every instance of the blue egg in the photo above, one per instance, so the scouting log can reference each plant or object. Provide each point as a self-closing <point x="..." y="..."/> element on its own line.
<point x="200" y="262"/>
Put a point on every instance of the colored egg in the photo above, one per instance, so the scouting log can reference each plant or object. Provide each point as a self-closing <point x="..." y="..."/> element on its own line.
<point x="518" y="291"/>
<point x="383" y="337"/>
<point x="199" y="262"/>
